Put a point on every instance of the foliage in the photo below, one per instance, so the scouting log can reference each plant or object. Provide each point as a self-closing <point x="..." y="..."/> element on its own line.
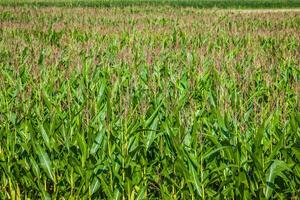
<point x="145" y="103"/>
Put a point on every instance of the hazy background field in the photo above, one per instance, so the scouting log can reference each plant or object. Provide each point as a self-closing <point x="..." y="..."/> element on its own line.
<point x="181" y="3"/>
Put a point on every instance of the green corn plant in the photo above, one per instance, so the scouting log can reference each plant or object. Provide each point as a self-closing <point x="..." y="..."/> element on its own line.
<point x="148" y="102"/>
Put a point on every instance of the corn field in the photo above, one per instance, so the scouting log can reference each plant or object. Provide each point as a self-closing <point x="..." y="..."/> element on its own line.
<point x="148" y="102"/>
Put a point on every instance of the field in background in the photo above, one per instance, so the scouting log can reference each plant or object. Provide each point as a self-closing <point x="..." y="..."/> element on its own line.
<point x="149" y="102"/>
<point x="176" y="3"/>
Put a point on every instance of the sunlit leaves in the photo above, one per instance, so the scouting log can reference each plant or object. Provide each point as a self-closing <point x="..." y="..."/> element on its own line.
<point x="149" y="103"/>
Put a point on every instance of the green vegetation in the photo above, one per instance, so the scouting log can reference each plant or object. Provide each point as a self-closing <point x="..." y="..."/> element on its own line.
<point x="176" y="3"/>
<point x="149" y="103"/>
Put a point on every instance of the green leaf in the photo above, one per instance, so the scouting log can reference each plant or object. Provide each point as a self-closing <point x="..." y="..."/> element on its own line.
<point x="196" y="179"/>
<point x="276" y="169"/>
<point x="141" y="194"/>
<point x="45" y="162"/>
<point x="153" y="116"/>
<point x="296" y="152"/>
<point x="44" y="135"/>
<point x="95" y="185"/>
<point x="35" y="167"/>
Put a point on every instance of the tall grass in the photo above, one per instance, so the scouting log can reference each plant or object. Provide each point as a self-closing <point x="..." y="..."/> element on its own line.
<point x="145" y="103"/>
